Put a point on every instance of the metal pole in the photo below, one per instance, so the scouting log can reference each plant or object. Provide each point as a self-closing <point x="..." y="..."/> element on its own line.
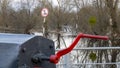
<point x="45" y="28"/>
<point x="92" y="63"/>
<point x="95" y="48"/>
<point x="67" y="61"/>
<point x="96" y="63"/>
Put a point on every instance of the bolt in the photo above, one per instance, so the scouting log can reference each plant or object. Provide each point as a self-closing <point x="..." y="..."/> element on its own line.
<point x="23" y="50"/>
<point x="35" y="60"/>
<point x="50" y="46"/>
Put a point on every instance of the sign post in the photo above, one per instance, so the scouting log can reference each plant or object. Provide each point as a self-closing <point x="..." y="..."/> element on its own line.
<point x="44" y="14"/>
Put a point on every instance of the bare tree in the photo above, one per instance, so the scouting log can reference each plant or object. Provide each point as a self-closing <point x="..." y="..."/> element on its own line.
<point x="4" y="11"/>
<point x="59" y="15"/>
<point x="112" y="7"/>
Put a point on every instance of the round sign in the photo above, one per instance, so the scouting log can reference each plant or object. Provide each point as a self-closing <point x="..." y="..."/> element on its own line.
<point x="44" y="12"/>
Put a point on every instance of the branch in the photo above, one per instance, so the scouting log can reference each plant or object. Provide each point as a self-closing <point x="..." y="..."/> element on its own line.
<point x="115" y="4"/>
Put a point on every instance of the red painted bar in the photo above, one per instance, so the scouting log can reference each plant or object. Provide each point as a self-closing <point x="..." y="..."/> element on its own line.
<point x="55" y="58"/>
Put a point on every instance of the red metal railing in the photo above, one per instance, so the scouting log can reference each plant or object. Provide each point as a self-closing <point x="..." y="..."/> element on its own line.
<point x="55" y="58"/>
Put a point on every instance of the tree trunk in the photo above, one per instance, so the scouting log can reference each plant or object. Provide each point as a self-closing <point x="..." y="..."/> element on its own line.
<point x="112" y="6"/>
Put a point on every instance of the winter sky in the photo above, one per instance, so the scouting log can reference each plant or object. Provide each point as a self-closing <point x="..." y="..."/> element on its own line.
<point x="54" y="1"/>
<point x="16" y="3"/>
